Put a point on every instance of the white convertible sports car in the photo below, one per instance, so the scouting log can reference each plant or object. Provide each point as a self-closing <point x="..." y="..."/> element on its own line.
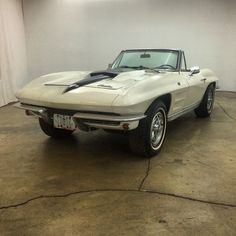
<point x="139" y="92"/>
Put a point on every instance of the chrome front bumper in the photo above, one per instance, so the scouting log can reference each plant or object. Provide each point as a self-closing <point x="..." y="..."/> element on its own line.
<point x="33" y="110"/>
<point x="127" y="122"/>
<point x="85" y="120"/>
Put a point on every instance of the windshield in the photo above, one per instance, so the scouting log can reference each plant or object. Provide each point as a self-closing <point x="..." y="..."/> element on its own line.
<point x="143" y="59"/>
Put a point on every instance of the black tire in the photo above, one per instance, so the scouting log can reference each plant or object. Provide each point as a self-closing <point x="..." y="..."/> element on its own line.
<point x="141" y="139"/>
<point x="206" y="106"/>
<point x="49" y="130"/>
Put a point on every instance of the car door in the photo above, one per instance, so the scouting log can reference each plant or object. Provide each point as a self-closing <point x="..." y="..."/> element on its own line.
<point x="196" y="88"/>
<point x="195" y="82"/>
<point x="179" y="93"/>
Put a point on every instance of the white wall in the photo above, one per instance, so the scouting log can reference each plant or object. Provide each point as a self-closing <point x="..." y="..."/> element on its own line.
<point x="13" y="68"/>
<point x="88" y="34"/>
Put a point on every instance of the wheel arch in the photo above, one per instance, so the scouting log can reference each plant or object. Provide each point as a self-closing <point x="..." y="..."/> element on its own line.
<point x="214" y="83"/>
<point x="166" y="99"/>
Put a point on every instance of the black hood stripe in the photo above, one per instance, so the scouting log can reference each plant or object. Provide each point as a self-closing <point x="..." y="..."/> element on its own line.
<point x="92" y="78"/>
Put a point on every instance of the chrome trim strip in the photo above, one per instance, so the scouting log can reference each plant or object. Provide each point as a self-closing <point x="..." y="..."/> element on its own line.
<point x="35" y="111"/>
<point x="184" y="111"/>
<point x="61" y="85"/>
<point x="132" y="125"/>
<point x="128" y="118"/>
<point x="30" y="108"/>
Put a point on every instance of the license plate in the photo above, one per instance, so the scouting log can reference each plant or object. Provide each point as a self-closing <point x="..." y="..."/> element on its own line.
<point x="63" y="122"/>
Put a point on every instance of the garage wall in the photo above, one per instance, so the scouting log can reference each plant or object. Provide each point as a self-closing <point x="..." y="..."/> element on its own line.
<point x="88" y="34"/>
<point x="13" y="67"/>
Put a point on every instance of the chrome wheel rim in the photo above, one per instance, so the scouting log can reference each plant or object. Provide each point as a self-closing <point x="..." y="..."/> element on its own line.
<point x="157" y="129"/>
<point x="210" y="99"/>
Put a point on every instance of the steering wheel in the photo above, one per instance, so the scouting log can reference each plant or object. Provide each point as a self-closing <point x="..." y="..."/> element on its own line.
<point x="166" y="65"/>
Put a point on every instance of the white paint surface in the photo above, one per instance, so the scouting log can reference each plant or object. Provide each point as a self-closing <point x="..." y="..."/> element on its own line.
<point x="67" y="35"/>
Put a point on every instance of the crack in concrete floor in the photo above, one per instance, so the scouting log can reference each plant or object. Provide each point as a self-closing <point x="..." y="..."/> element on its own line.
<point x="146" y="175"/>
<point x="139" y="190"/>
<point x="118" y="190"/>
<point x="224" y="110"/>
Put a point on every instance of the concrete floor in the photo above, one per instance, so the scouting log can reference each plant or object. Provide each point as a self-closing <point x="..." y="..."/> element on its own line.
<point x="91" y="184"/>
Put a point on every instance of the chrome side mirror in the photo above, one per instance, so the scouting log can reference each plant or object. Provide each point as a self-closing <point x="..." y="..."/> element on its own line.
<point x="194" y="70"/>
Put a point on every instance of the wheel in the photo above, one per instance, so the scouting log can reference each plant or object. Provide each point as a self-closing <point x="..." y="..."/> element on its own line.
<point x="205" y="108"/>
<point x="49" y="130"/>
<point x="147" y="139"/>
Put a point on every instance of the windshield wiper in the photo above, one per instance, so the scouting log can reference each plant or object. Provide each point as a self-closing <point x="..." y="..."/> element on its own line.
<point x="140" y="68"/>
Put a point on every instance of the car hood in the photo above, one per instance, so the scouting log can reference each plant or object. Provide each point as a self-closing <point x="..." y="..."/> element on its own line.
<point x="52" y="90"/>
<point x="119" y="81"/>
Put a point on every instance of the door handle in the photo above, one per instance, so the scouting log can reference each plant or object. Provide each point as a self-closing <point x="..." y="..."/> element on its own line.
<point x="204" y="79"/>
<point x="179" y="83"/>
